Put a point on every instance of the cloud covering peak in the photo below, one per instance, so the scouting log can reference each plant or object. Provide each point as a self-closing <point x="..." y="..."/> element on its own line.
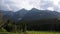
<point x="14" y="5"/>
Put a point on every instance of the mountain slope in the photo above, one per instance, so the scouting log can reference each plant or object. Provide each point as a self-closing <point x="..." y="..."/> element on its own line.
<point x="19" y="14"/>
<point x="33" y="14"/>
<point x="7" y="14"/>
<point x="36" y="14"/>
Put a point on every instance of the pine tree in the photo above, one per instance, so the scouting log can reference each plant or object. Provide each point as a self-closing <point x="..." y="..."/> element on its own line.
<point x="1" y="22"/>
<point x="0" y="19"/>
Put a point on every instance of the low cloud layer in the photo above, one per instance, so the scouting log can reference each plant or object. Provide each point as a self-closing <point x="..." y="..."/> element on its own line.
<point x="14" y="5"/>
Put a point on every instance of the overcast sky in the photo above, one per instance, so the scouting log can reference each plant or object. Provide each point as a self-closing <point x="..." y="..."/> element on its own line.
<point x="15" y="5"/>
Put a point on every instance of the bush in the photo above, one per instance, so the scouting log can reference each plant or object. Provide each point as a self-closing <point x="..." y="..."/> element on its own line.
<point x="2" y="30"/>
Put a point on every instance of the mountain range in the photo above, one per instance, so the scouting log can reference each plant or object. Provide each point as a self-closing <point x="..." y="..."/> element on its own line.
<point x="33" y="14"/>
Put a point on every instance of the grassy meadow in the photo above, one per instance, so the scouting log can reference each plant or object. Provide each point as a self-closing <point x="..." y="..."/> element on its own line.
<point x="32" y="32"/>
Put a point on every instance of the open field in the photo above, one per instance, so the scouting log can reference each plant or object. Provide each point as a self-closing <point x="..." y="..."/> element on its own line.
<point x="42" y="32"/>
<point x="32" y="32"/>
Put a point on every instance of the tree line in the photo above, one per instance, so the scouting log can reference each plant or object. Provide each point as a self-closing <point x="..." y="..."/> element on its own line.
<point x="38" y="25"/>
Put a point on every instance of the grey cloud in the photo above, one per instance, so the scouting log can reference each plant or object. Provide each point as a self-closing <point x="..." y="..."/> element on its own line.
<point x="4" y="7"/>
<point x="11" y="5"/>
<point x="9" y="2"/>
<point x="46" y="4"/>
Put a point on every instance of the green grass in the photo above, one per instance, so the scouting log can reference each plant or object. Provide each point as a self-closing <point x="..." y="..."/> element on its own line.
<point x="32" y="32"/>
<point x="8" y="33"/>
<point x="42" y="32"/>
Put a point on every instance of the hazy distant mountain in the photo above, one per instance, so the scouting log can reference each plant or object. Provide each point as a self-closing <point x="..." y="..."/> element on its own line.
<point x="36" y="14"/>
<point x="33" y="14"/>
<point x="7" y="14"/>
<point x="19" y="14"/>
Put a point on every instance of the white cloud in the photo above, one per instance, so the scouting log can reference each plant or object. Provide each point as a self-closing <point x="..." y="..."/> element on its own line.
<point x="56" y="2"/>
<point x="50" y="8"/>
<point x="15" y="5"/>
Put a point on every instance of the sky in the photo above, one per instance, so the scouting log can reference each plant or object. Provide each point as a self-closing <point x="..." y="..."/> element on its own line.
<point x="15" y="5"/>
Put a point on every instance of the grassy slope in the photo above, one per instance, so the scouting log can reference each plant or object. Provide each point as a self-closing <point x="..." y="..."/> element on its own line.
<point x="42" y="32"/>
<point x="8" y="33"/>
<point x="32" y="32"/>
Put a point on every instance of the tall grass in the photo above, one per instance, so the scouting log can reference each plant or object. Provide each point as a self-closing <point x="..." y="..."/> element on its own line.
<point x="32" y="32"/>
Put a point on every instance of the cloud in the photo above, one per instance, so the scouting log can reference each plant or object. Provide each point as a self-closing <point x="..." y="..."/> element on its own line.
<point x="4" y="6"/>
<point x="50" y="8"/>
<point x="45" y="4"/>
<point x="15" y="5"/>
<point x="50" y="5"/>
